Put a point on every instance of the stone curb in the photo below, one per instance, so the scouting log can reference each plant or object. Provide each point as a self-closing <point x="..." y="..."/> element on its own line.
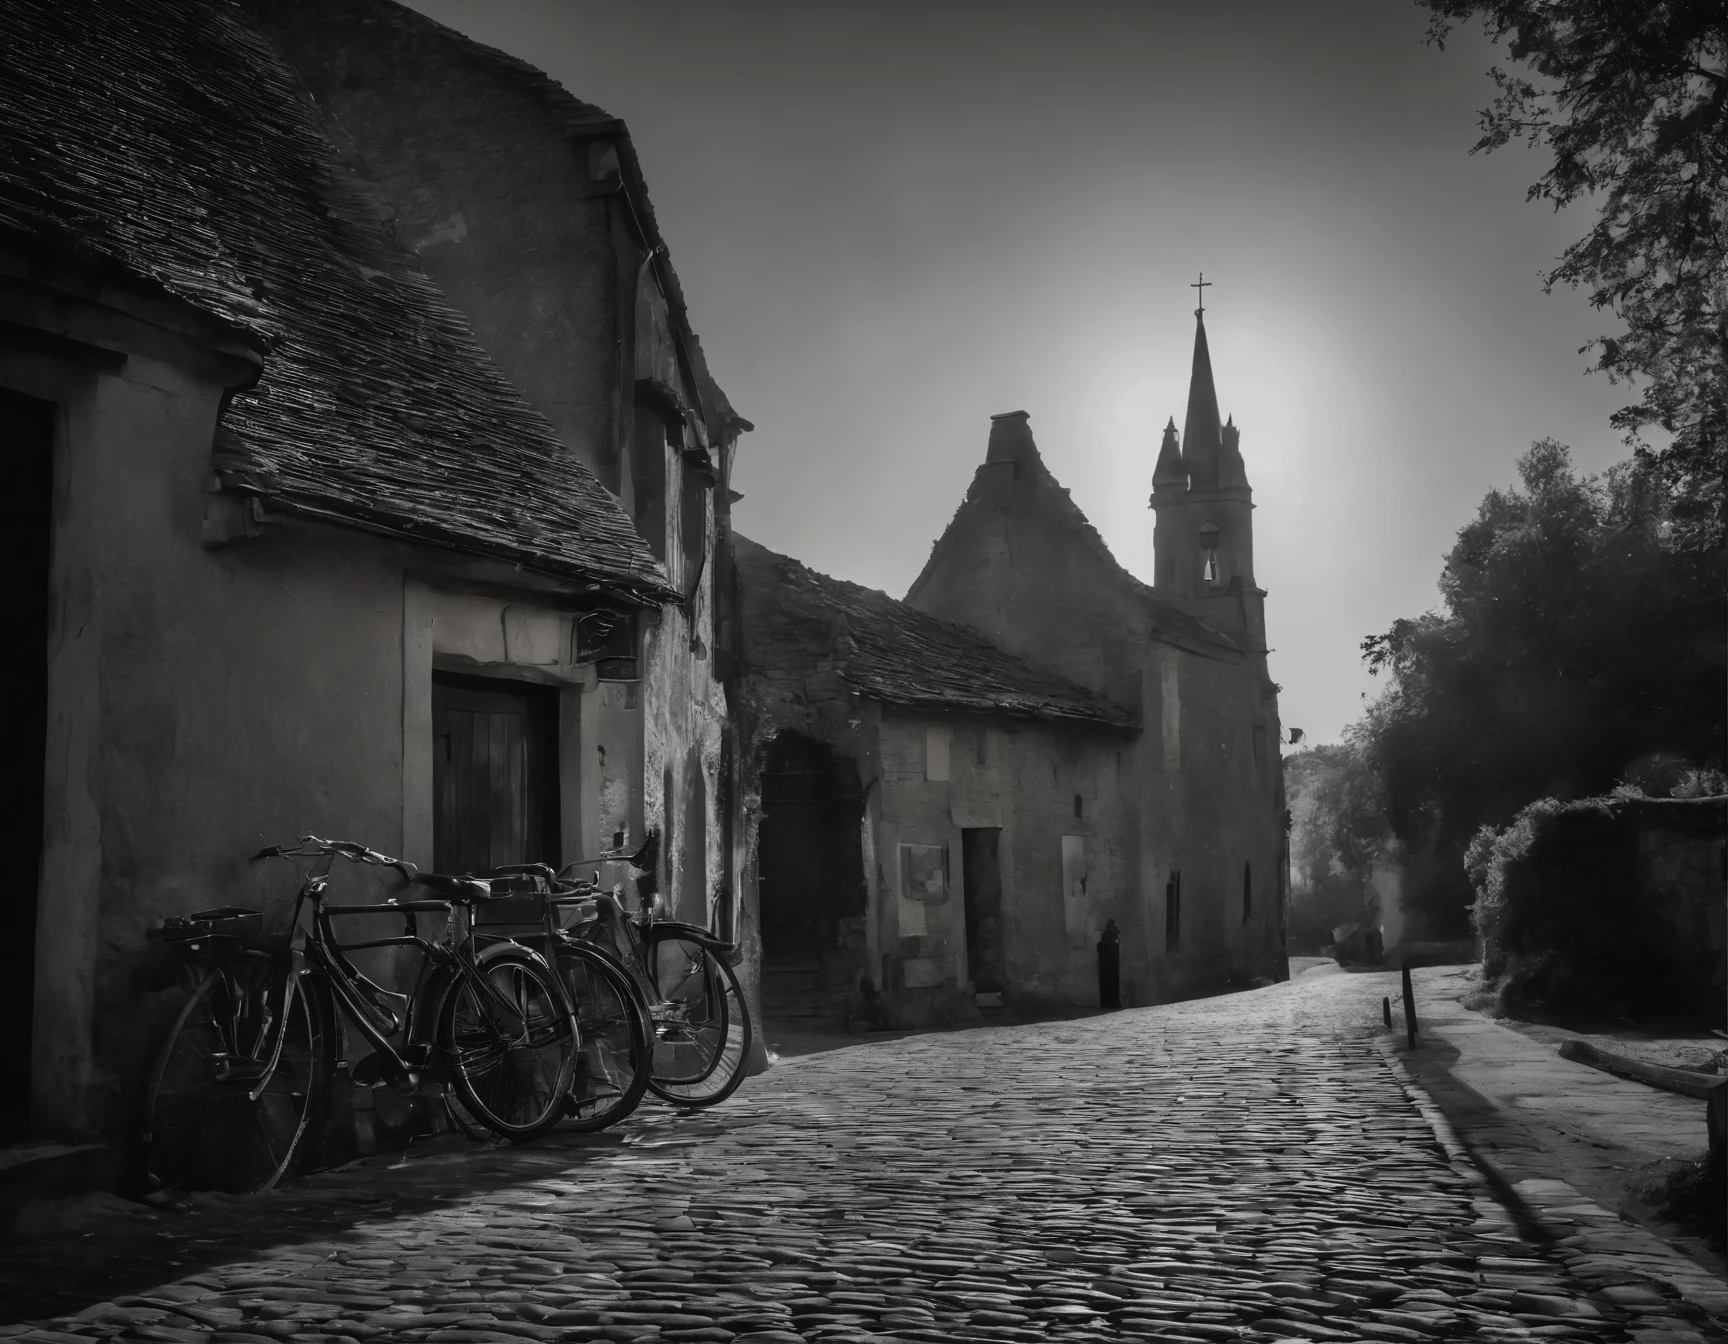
<point x="1675" y="1300"/>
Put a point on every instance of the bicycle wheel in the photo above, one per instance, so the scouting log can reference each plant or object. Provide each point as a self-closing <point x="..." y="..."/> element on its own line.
<point x="613" y="1064"/>
<point x="511" y="1040"/>
<point x="203" y="1129"/>
<point x="462" y="1119"/>
<point x="701" y="1024"/>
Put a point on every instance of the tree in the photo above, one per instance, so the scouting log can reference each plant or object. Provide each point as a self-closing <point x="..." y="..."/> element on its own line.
<point x="1577" y="646"/>
<point x="1630" y="97"/>
<point x="1338" y="836"/>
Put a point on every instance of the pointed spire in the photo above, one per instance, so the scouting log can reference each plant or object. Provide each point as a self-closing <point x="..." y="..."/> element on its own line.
<point x="1231" y="469"/>
<point x="1202" y="436"/>
<point x="1169" y="470"/>
<point x="1010" y="438"/>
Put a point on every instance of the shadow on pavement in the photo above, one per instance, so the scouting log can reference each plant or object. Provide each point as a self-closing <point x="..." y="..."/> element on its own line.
<point x="134" y="1251"/>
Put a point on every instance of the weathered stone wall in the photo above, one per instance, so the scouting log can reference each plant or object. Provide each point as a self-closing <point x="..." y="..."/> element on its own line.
<point x="205" y="703"/>
<point x="1018" y="775"/>
<point x="1213" y="806"/>
<point x="1041" y="785"/>
<point x="221" y="701"/>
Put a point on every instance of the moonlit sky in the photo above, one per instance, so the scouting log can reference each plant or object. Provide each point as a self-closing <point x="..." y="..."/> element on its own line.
<point x="892" y="220"/>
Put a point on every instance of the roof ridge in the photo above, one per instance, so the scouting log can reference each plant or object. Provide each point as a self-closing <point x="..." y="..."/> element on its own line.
<point x="1041" y="689"/>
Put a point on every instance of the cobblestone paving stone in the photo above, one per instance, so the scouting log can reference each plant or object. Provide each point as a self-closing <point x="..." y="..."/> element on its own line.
<point x="1243" y="1168"/>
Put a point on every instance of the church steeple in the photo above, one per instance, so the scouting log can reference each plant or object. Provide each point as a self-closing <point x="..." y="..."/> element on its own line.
<point x="1203" y="538"/>
<point x="1202" y="435"/>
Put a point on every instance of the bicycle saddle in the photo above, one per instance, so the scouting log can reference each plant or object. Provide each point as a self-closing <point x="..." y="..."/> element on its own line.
<point x="468" y="890"/>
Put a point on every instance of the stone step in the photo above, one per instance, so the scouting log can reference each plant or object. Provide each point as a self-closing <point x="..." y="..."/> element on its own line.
<point x="41" y="1172"/>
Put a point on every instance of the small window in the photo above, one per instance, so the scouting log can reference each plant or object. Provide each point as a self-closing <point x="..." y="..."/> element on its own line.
<point x="1173" y="913"/>
<point x="1247" y="892"/>
<point x="1209" y="551"/>
<point x="1079" y="806"/>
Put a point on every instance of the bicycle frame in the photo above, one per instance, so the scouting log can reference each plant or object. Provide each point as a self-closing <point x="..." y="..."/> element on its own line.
<point x="443" y="965"/>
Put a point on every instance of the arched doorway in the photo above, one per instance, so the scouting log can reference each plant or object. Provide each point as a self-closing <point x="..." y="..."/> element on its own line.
<point x="810" y="879"/>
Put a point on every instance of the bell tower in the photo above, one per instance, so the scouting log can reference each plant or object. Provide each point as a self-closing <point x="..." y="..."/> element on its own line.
<point x="1203" y="533"/>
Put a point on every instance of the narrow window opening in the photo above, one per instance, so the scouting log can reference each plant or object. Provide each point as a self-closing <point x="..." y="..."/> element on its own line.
<point x="1247" y="892"/>
<point x="1173" y="913"/>
<point x="693" y="529"/>
<point x="649" y="449"/>
<point x="1209" y="550"/>
<point x="1079" y="806"/>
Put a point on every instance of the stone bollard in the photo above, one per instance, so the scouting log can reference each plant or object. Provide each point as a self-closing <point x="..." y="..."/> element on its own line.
<point x="1386" y="1010"/>
<point x="1409" y="1007"/>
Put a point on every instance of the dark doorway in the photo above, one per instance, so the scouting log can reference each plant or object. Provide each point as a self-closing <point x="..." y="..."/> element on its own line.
<point x="27" y="441"/>
<point x="982" y="875"/>
<point x="810" y="867"/>
<point x="494" y="773"/>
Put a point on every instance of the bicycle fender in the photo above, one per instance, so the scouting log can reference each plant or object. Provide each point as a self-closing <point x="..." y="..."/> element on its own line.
<point x="695" y="933"/>
<point x="438" y="991"/>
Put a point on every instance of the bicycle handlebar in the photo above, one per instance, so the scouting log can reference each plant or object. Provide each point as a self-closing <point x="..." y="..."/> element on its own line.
<point x="351" y="850"/>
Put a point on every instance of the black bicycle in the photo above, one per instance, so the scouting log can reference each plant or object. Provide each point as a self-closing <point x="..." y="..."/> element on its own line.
<point x="248" y="1061"/>
<point x="699" y="1033"/>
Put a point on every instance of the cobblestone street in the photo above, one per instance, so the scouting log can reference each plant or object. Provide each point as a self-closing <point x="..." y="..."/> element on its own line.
<point x="1246" y="1167"/>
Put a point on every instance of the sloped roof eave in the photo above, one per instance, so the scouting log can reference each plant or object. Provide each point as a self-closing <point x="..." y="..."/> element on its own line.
<point x="900" y="655"/>
<point x="224" y="187"/>
<point x="1124" y="723"/>
<point x="628" y="587"/>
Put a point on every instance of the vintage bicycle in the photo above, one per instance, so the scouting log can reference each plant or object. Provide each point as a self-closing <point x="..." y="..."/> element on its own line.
<point x="699" y="1029"/>
<point x="248" y="1061"/>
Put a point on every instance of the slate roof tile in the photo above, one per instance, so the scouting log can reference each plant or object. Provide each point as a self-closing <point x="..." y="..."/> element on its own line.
<point x="169" y="140"/>
<point x="907" y="657"/>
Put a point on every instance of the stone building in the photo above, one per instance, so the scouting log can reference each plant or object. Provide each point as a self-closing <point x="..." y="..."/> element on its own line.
<point x="936" y="819"/>
<point x="313" y="535"/>
<point x="1144" y="787"/>
<point x="1021" y="564"/>
<point x="528" y="209"/>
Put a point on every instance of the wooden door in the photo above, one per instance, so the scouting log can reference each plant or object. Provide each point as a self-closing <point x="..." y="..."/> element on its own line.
<point x="27" y="441"/>
<point x="494" y="773"/>
<point x="982" y="876"/>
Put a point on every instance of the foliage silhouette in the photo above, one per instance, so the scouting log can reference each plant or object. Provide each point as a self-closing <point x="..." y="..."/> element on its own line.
<point x="1631" y="101"/>
<point x="1579" y="644"/>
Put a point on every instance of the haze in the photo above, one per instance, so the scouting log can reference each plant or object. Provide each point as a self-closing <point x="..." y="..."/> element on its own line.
<point x="893" y="220"/>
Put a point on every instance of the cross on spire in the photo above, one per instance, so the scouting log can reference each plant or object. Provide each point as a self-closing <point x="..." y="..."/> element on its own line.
<point x="1200" y="288"/>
